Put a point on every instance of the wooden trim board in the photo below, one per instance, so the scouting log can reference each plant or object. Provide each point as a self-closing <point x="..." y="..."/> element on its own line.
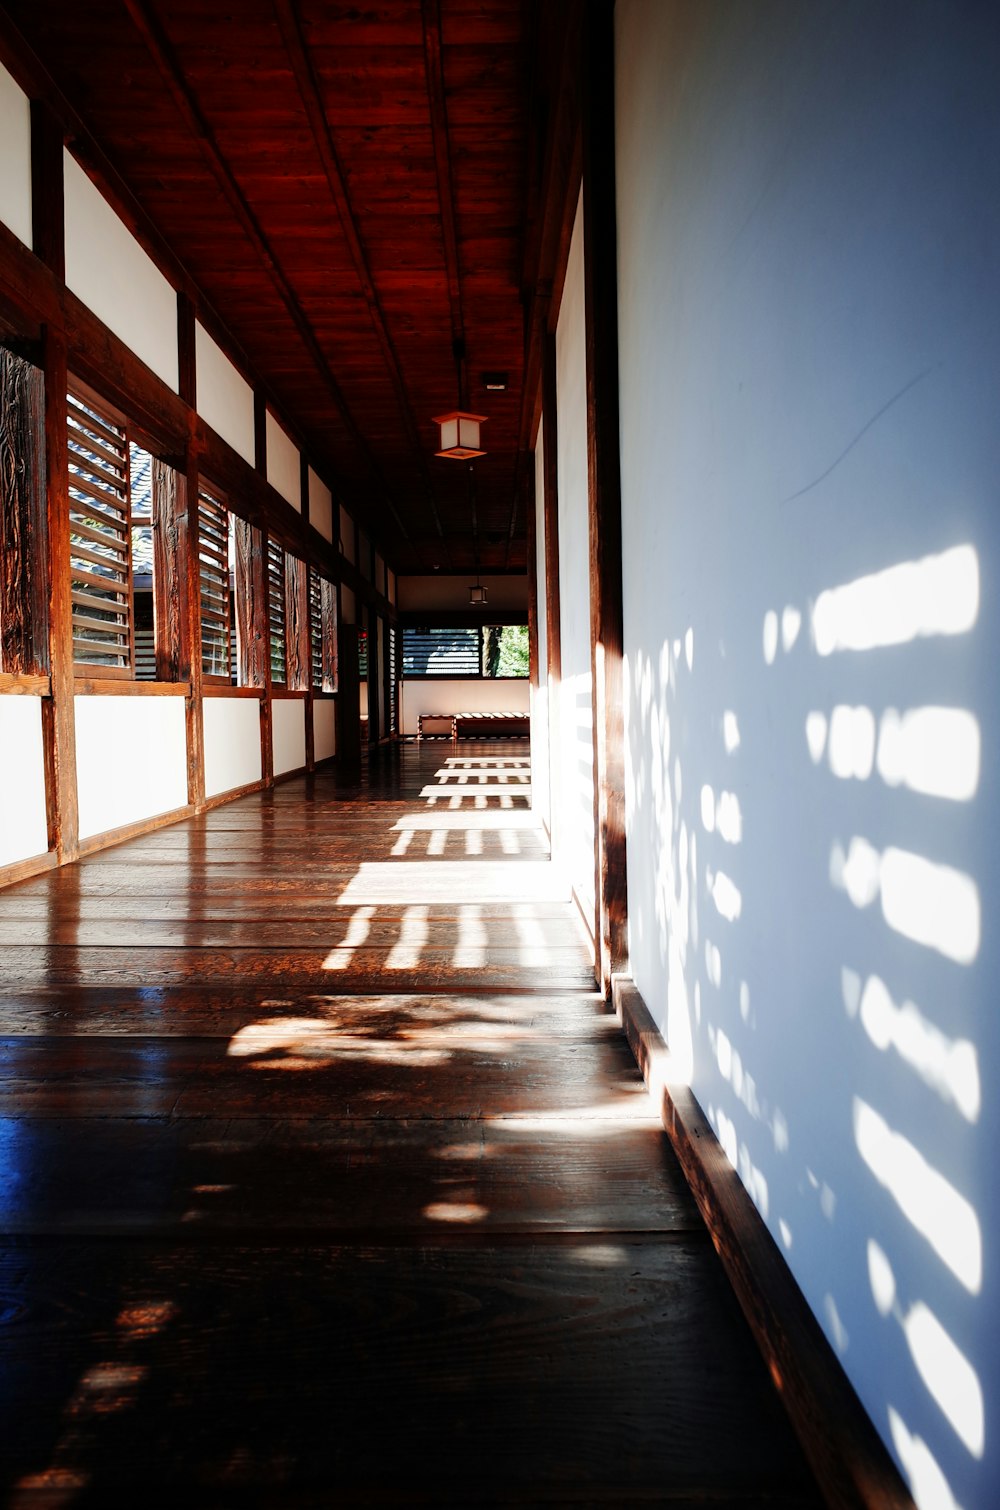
<point x="851" y="1464"/>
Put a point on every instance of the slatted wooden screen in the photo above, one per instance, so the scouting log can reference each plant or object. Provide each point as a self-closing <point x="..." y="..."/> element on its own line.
<point x="100" y="546"/>
<point x="276" y="612"/>
<point x="213" y="570"/>
<point x="322" y="633"/>
<point x="393" y="688"/>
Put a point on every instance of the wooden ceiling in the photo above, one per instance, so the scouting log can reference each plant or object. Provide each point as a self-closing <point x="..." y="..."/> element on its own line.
<point x="348" y="185"/>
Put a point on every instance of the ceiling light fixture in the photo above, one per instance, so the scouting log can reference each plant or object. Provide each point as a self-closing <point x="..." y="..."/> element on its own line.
<point x="477" y="594"/>
<point x="460" y="434"/>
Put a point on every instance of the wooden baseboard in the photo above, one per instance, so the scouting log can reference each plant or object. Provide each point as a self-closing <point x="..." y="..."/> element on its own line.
<point x="135" y="830"/>
<point x="850" y="1461"/>
<point x="24" y="870"/>
<point x="220" y="798"/>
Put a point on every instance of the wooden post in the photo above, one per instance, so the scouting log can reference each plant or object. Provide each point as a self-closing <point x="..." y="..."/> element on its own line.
<point x="604" y="483"/>
<point x="550" y="513"/>
<point x="348" y="701"/>
<point x="59" y="722"/>
<point x="189" y="559"/>
<point x="48" y="216"/>
<point x="24" y="573"/>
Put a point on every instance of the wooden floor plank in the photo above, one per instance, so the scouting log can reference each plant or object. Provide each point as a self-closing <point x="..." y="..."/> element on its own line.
<point x="330" y="1179"/>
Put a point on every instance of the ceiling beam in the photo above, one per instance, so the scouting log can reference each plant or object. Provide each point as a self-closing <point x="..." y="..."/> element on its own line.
<point x="169" y="70"/>
<point x="431" y="13"/>
<point x="309" y="90"/>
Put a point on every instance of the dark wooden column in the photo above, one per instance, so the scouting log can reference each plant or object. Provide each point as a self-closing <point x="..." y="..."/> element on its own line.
<point x="307" y="645"/>
<point x="348" y="700"/>
<point x="604" y="477"/>
<point x="24" y="576"/>
<point x="262" y="600"/>
<point x="532" y="523"/>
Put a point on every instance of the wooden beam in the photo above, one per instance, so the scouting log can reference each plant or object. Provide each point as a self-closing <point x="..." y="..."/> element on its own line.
<point x="604" y="485"/>
<point x="560" y="192"/>
<point x="48" y="219"/>
<point x="851" y="1464"/>
<point x="434" y="68"/>
<point x="162" y="54"/>
<point x="312" y="100"/>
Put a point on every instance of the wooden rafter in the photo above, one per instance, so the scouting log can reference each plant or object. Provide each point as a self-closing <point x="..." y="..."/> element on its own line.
<point x="309" y="90"/>
<point x="431" y="13"/>
<point x="166" y="64"/>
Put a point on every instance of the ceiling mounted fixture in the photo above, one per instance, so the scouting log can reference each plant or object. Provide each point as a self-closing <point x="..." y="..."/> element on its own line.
<point x="477" y="594"/>
<point x="460" y="434"/>
<point x="495" y="382"/>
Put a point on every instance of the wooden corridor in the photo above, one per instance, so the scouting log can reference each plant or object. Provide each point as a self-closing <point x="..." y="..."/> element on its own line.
<point x="327" y="1178"/>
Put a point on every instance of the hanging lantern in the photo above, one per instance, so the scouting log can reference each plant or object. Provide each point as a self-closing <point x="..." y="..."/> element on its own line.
<point x="477" y="596"/>
<point x="460" y="434"/>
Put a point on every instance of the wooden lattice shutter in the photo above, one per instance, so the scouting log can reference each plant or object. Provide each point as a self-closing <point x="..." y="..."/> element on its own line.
<point x="213" y="571"/>
<point x="100" y="543"/>
<point x="276" y="611"/>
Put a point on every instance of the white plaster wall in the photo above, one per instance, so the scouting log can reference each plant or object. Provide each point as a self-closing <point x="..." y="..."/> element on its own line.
<point x="540" y="694"/>
<point x="288" y="732"/>
<point x="15" y="158"/>
<point x="232" y="743"/>
<point x="225" y="399"/>
<point x="320" y="506"/>
<point x="573" y="821"/>
<point x="23" y="828"/>
<point x="379" y="574"/>
<point x="348" y="609"/>
<point x="809" y="211"/>
<point x="108" y="269"/>
<point x="446" y="696"/>
<point x="446" y="591"/>
<point x="324" y="728"/>
<point x="390" y="586"/>
<point x="283" y="464"/>
<point x="131" y="759"/>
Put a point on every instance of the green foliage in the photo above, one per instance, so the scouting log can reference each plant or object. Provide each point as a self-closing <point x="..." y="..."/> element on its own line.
<point x="512" y="659"/>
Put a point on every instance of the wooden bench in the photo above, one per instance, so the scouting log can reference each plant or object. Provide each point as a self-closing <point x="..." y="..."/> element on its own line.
<point x="477" y="725"/>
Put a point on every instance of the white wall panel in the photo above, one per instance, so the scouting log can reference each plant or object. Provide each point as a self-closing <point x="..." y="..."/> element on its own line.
<point x="809" y="211"/>
<point x="324" y="728"/>
<point x="573" y="821"/>
<point x="320" y="506"/>
<point x="23" y="829"/>
<point x="348" y="612"/>
<point x="131" y="759"/>
<point x="108" y="269"/>
<point x="443" y="695"/>
<point x="15" y="158"/>
<point x="225" y="399"/>
<point x="232" y="743"/>
<point x="283" y="465"/>
<point x="288" y="727"/>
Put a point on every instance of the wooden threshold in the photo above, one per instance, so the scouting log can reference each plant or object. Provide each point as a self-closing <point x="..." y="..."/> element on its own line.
<point x="23" y="870"/>
<point x="113" y="836"/>
<point x="850" y="1462"/>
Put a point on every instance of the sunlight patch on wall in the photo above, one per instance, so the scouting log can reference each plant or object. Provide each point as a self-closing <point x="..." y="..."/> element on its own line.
<point x="930" y="1202"/>
<point x="936" y="595"/>
<point x="931" y="750"/>
<point x="949" y="1066"/>
<point x="929" y="1487"/>
<point x="931" y="904"/>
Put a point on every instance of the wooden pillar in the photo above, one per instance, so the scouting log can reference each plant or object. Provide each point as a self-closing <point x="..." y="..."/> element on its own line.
<point x="195" y="705"/>
<point x="59" y="722"/>
<point x="529" y="514"/>
<point x="604" y="483"/>
<point x="307" y="657"/>
<point x="550" y="512"/>
<point x="348" y="701"/>
<point x="24" y="575"/>
<point x="186" y="563"/>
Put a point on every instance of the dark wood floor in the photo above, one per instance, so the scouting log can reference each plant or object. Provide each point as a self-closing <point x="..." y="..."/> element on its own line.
<point x="327" y="1178"/>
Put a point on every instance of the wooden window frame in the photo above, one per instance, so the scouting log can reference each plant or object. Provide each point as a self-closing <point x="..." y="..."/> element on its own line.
<point x="276" y="598"/>
<point x="323" y="668"/>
